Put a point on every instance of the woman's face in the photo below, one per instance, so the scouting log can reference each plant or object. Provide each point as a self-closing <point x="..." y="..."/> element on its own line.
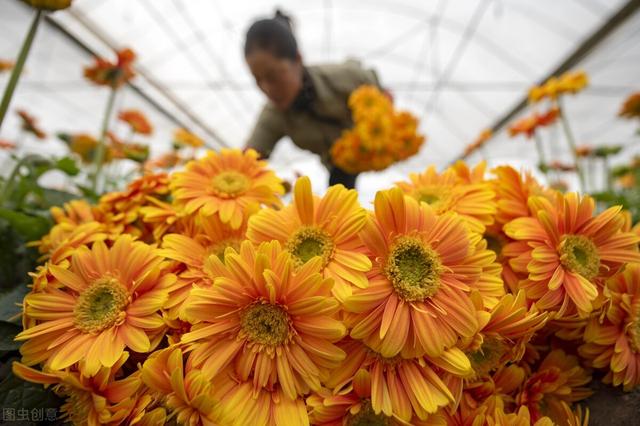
<point x="278" y="78"/>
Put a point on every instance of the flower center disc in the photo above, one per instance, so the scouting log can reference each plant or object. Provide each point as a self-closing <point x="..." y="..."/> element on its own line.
<point x="101" y="306"/>
<point x="579" y="255"/>
<point x="230" y="184"/>
<point x="413" y="269"/>
<point x="488" y="356"/>
<point x="220" y="247"/>
<point x="265" y="324"/>
<point x="308" y="243"/>
<point x="435" y="197"/>
<point x="367" y="417"/>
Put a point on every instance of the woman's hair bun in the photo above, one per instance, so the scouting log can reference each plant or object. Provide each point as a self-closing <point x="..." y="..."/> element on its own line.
<point x="283" y="18"/>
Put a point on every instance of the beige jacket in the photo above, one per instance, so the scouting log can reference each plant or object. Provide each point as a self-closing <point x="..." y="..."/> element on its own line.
<point x="314" y="130"/>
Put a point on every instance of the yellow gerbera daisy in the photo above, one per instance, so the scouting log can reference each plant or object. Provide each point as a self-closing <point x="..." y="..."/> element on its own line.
<point x="226" y="182"/>
<point x="417" y="300"/>
<point x="327" y="227"/>
<point x="391" y="387"/>
<point x="188" y="394"/>
<point x="613" y="342"/>
<point x="445" y="192"/>
<point x="566" y="250"/>
<point x="272" y="321"/>
<point x="98" y="400"/>
<point x="107" y="300"/>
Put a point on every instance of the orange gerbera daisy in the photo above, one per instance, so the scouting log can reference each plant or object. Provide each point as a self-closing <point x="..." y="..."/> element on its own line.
<point x="113" y="74"/>
<point x="210" y="237"/>
<point x="559" y="380"/>
<point x="244" y="405"/>
<point x="368" y="100"/>
<point x="7" y="145"/>
<point x="417" y="299"/>
<point x="613" y="342"/>
<point x="98" y="400"/>
<point x="509" y="326"/>
<point x="6" y="65"/>
<point x="108" y="300"/>
<point x="228" y="182"/>
<point x="566" y="251"/>
<point x="631" y="106"/>
<point x="327" y="227"/>
<point x="352" y="406"/>
<point x="187" y="393"/>
<point x="137" y="121"/>
<point x="447" y="192"/>
<point x="390" y="387"/>
<point x="273" y="321"/>
<point x="528" y="125"/>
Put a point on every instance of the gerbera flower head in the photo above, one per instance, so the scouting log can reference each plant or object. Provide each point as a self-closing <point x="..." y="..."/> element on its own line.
<point x="567" y="251"/>
<point x="112" y="74"/>
<point x="558" y="380"/>
<point x="185" y="392"/>
<point x="137" y="121"/>
<point x="91" y="400"/>
<point x="108" y="300"/>
<point x="388" y="388"/>
<point x="416" y="301"/>
<point x="30" y="125"/>
<point x="183" y="137"/>
<point x="50" y="5"/>
<point x="327" y="227"/>
<point x="368" y="100"/>
<point x="631" y="106"/>
<point x="6" y="65"/>
<point x="227" y="182"/>
<point x="274" y="322"/>
<point x="445" y="192"/>
<point x="612" y="342"/>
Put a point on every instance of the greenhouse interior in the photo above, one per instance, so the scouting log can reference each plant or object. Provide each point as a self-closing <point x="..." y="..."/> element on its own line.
<point x="320" y="213"/>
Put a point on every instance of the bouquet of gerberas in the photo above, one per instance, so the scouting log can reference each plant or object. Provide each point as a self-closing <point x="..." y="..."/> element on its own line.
<point x="197" y="298"/>
<point x="380" y="136"/>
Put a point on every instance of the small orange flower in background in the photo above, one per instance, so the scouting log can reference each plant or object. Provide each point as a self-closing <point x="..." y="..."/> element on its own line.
<point x="165" y="161"/>
<point x="183" y="137"/>
<point x="584" y="151"/>
<point x="227" y="183"/>
<point x="570" y="82"/>
<point x="529" y="125"/>
<point x="107" y="300"/>
<point x="561" y="167"/>
<point x="112" y="74"/>
<point x="631" y="107"/>
<point x="274" y="323"/>
<point x="327" y="227"/>
<point x="137" y="121"/>
<point x="613" y="341"/>
<point x="7" y="145"/>
<point x="50" y="5"/>
<point x="482" y="138"/>
<point x="566" y="251"/>
<point x="6" y="65"/>
<point x="29" y="124"/>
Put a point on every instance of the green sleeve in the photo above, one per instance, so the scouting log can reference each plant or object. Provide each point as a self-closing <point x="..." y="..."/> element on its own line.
<point x="268" y="130"/>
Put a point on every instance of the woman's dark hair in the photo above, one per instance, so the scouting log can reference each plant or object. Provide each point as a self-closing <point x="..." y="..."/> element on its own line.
<point x="274" y="35"/>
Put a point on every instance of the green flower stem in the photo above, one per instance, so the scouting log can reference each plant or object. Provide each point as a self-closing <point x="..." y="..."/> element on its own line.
<point x="572" y="144"/>
<point x="539" y="147"/>
<point x="17" y="69"/>
<point x="100" y="150"/>
<point x="10" y="182"/>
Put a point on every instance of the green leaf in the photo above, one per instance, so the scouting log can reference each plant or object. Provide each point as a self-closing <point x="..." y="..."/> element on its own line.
<point x="8" y="332"/>
<point x="17" y="394"/>
<point x="29" y="227"/>
<point x="10" y="300"/>
<point x="67" y="165"/>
